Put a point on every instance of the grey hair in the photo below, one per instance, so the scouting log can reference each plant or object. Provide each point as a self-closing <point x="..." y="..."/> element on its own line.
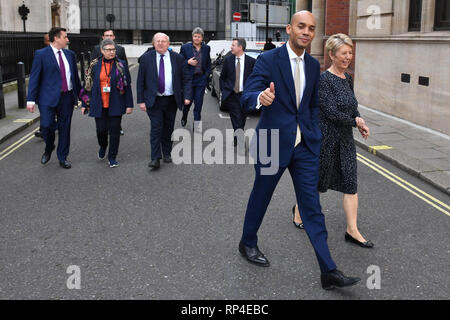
<point x="158" y="33"/>
<point x="106" y="42"/>
<point x="198" y="30"/>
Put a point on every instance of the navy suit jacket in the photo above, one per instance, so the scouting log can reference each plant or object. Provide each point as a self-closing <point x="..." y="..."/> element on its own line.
<point x="118" y="103"/>
<point x="228" y="74"/>
<point x="147" y="80"/>
<point x="44" y="87"/>
<point x="187" y="51"/>
<point x="274" y="66"/>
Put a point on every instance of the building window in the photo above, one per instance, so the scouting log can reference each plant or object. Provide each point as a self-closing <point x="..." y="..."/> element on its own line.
<point x="415" y="15"/>
<point x="310" y="5"/>
<point x="442" y="15"/>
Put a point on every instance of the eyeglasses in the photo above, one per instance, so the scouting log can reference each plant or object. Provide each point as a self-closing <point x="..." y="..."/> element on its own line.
<point x="110" y="50"/>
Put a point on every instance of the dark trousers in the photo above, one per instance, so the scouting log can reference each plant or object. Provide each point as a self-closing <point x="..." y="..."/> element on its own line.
<point x="237" y="114"/>
<point x="304" y="170"/>
<point x="59" y="117"/>
<point x="199" y="92"/>
<point x="107" y="125"/>
<point x="162" y="120"/>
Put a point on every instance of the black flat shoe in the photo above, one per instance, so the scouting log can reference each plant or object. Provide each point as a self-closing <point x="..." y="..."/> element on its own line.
<point x="297" y="225"/>
<point x="167" y="159"/>
<point x="46" y="157"/>
<point x="253" y="255"/>
<point x="154" y="164"/>
<point x="65" y="164"/>
<point x="336" y="279"/>
<point x="367" y="244"/>
<point x="183" y="122"/>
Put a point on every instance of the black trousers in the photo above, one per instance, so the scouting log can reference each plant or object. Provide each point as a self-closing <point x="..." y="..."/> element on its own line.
<point x="237" y="114"/>
<point x="109" y="125"/>
<point x="162" y="119"/>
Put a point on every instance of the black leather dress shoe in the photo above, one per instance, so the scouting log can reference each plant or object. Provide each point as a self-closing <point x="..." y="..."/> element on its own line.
<point x="38" y="134"/>
<point x="167" y="159"/>
<point x="46" y="157"/>
<point x="154" y="164"/>
<point x="253" y="255"/>
<point x="367" y="244"/>
<point x="183" y="122"/>
<point x="336" y="279"/>
<point x="297" y="225"/>
<point x="65" y="164"/>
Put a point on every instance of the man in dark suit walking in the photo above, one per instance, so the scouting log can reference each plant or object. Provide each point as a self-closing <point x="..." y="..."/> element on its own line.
<point x="198" y="57"/>
<point x="120" y="51"/>
<point x="163" y="84"/>
<point x="285" y="83"/>
<point x="235" y="71"/>
<point x="54" y="86"/>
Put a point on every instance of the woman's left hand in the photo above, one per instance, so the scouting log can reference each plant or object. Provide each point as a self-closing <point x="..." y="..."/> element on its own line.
<point x="129" y="110"/>
<point x="364" y="130"/>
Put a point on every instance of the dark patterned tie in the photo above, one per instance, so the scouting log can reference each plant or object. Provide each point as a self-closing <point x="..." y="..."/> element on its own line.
<point x="62" y="70"/>
<point x="162" y="80"/>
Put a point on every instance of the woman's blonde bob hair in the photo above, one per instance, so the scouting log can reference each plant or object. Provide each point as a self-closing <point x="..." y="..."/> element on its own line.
<point x="336" y="41"/>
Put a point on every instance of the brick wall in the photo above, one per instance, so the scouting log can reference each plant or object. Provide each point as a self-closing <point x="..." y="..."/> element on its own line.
<point x="337" y="21"/>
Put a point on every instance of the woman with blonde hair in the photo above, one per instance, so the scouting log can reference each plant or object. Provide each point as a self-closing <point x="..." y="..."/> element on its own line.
<point x="337" y="117"/>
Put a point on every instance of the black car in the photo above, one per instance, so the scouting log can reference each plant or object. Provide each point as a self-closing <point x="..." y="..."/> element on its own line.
<point x="217" y="69"/>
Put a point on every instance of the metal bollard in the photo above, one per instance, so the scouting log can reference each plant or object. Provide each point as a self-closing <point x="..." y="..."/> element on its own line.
<point x="21" y="89"/>
<point x="2" y="97"/>
<point x="82" y="68"/>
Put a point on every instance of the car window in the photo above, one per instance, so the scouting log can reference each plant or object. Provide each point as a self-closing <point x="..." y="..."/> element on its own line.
<point x="253" y="54"/>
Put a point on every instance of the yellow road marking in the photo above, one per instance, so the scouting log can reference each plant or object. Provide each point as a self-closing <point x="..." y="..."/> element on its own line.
<point x="392" y="177"/>
<point x="23" y="120"/>
<point x="406" y="182"/>
<point x="17" y="147"/>
<point x="18" y="141"/>
<point x="373" y="149"/>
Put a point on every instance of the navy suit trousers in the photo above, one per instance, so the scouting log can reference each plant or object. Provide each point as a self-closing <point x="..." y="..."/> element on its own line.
<point x="237" y="115"/>
<point x="59" y="117"/>
<point x="198" y="92"/>
<point x="162" y="121"/>
<point x="304" y="170"/>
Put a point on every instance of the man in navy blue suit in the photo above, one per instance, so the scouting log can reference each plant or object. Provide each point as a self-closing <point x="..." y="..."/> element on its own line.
<point x="198" y="57"/>
<point x="163" y="84"/>
<point x="284" y="84"/>
<point x="235" y="71"/>
<point x="54" y="86"/>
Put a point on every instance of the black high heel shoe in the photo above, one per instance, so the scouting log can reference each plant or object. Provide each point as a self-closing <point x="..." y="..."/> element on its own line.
<point x="297" y="225"/>
<point x="367" y="244"/>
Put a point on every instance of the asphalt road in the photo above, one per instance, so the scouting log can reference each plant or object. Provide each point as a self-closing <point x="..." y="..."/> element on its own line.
<point x="173" y="233"/>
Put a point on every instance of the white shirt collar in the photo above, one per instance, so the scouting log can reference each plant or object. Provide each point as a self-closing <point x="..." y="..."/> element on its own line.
<point x="292" y="54"/>
<point x="55" y="51"/>
<point x="166" y="54"/>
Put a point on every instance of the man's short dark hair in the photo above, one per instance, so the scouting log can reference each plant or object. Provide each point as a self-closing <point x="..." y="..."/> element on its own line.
<point x="241" y="42"/>
<point x="55" y="32"/>
<point x="109" y="30"/>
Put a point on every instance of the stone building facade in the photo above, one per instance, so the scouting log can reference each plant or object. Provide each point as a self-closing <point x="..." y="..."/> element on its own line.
<point x="401" y="54"/>
<point x="43" y="15"/>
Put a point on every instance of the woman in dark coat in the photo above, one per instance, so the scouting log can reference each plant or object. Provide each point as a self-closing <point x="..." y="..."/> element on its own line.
<point x="338" y="115"/>
<point x="107" y="96"/>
